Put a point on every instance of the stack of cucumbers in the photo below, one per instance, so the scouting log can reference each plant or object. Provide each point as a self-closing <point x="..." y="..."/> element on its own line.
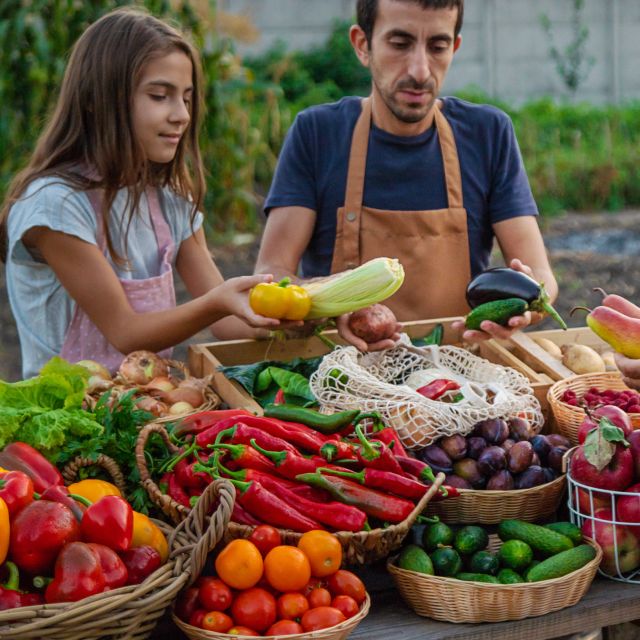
<point x="529" y="552"/>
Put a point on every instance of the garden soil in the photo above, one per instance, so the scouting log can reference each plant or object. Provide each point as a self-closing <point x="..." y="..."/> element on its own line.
<point x="586" y="251"/>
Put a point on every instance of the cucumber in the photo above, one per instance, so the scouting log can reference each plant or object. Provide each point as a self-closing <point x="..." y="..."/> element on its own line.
<point x="540" y="538"/>
<point x="477" y="577"/>
<point x="484" y="562"/>
<point x="572" y="531"/>
<point x="562" y="563"/>
<point x="509" y="576"/>
<point x="446" y="561"/>
<point x="470" y="539"/>
<point x="415" y="558"/>
<point x="498" y="311"/>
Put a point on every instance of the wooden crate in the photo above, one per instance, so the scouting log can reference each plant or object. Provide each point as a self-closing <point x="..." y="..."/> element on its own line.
<point x="205" y="359"/>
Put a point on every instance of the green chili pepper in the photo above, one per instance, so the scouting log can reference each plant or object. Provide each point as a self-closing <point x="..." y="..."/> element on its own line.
<point x="324" y="423"/>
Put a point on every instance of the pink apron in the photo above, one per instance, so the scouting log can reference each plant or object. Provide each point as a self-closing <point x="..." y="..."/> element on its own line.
<point x="83" y="339"/>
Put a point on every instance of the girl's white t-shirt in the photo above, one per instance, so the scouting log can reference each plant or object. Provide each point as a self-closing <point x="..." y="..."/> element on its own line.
<point x="42" y="308"/>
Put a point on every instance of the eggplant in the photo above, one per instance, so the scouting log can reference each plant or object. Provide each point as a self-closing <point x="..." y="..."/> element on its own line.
<point x="502" y="283"/>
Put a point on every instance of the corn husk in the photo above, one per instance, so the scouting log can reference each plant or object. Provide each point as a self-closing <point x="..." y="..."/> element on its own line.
<point x="372" y="282"/>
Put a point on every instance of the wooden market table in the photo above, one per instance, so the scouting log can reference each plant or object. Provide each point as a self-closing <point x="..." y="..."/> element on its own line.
<point x="606" y="603"/>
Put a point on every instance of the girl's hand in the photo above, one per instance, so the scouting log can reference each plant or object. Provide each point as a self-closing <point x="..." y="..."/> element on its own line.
<point x="342" y="324"/>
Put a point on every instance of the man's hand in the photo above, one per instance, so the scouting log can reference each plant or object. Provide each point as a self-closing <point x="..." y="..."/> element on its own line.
<point x="342" y="324"/>
<point x="630" y="369"/>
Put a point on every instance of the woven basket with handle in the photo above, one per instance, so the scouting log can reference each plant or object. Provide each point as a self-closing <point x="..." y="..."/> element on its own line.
<point x="361" y="547"/>
<point x="453" y="600"/>
<point x="569" y="418"/>
<point x="132" y="612"/>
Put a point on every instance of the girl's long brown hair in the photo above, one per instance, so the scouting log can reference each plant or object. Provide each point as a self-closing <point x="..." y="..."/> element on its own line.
<point x="91" y="125"/>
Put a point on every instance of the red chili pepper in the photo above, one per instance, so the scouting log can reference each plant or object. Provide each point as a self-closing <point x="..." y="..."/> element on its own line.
<point x="373" y="502"/>
<point x="113" y="568"/>
<point x="385" y="480"/>
<point x="10" y="595"/>
<point x="187" y="477"/>
<point x="436" y="388"/>
<point x="18" y="456"/>
<point x="418" y="469"/>
<point x="78" y="574"/>
<point x="246" y="457"/>
<point x="203" y="420"/>
<point x="241" y="516"/>
<point x="338" y="449"/>
<point x="38" y="533"/>
<point x="270" y="509"/>
<point x="287" y="463"/>
<point x="109" y="521"/>
<point x="175" y="491"/>
<point x="446" y="492"/>
<point x="279" y="397"/>
<point x="16" y="489"/>
<point x="376" y="455"/>
<point x="339" y="516"/>
<point x="244" y="434"/>
<point x="140" y="562"/>
<point x="390" y="437"/>
<point x="59" y="493"/>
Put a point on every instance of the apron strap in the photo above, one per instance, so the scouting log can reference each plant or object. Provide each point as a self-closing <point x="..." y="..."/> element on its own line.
<point x="450" y="160"/>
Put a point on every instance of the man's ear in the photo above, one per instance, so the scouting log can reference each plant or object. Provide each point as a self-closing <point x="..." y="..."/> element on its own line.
<point x="359" y="44"/>
<point x="457" y="42"/>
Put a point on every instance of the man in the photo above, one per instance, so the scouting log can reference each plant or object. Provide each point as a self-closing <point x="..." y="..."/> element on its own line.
<point x="405" y="174"/>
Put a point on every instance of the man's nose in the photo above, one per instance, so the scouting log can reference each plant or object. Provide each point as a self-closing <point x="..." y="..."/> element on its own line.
<point x="419" y="68"/>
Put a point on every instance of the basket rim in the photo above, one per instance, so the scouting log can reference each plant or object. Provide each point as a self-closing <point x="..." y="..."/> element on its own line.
<point x="555" y="390"/>
<point x="511" y="492"/>
<point x="322" y="633"/>
<point x="519" y="586"/>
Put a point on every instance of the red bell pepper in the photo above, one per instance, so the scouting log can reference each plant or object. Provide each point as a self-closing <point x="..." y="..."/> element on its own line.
<point x="59" y="493"/>
<point x="114" y="570"/>
<point x="339" y="516"/>
<point x="270" y="509"/>
<point x="16" y="489"/>
<point x="437" y="388"/>
<point x="38" y="533"/>
<point x="18" y="456"/>
<point x="10" y="595"/>
<point x="376" y="454"/>
<point x="203" y="420"/>
<point x="141" y="562"/>
<point x="373" y="502"/>
<point x="108" y="521"/>
<point x="384" y="480"/>
<point x="246" y="457"/>
<point x="78" y="574"/>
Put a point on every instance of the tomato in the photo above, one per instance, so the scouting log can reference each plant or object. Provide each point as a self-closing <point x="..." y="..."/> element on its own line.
<point x="187" y="603"/>
<point x="346" y="604"/>
<point x="254" y="608"/>
<point x="265" y="537"/>
<point x="239" y="630"/>
<point x="290" y="606"/>
<point x="319" y="597"/>
<point x="217" y="621"/>
<point x="284" y="628"/>
<point x="345" y="583"/>
<point x="286" y="568"/>
<point x="314" y="583"/>
<point x="214" y="595"/>
<point x="321" y="618"/>
<point x="323" y="550"/>
<point x="239" y="564"/>
<point x="195" y="620"/>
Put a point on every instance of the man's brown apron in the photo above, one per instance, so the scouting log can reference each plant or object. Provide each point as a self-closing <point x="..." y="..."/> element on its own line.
<point x="432" y="246"/>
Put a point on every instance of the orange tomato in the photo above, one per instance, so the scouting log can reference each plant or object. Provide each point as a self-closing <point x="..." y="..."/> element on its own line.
<point x="321" y="618"/>
<point x="239" y="564"/>
<point x="217" y="621"/>
<point x="323" y="550"/>
<point x="287" y="568"/>
<point x="319" y="597"/>
<point x="291" y="606"/>
<point x="284" y="628"/>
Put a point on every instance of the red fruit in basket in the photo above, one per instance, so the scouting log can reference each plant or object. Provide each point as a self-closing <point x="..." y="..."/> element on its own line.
<point x="557" y="440"/>
<point x="214" y="595"/>
<point x="321" y="618"/>
<point x="239" y="630"/>
<point x="611" y="536"/>
<point x="187" y="603"/>
<point x="615" y="415"/>
<point x="344" y="582"/>
<point x="217" y="621"/>
<point x="628" y="507"/>
<point x="284" y="628"/>
<point x="346" y="604"/>
<point x="265" y="537"/>
<point x="634" y="446"/>
<point x="254" y="608"/>
<point x="600" y="501"/>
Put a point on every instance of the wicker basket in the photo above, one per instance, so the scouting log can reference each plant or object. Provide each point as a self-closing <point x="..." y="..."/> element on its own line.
<point x="453" y="600"/>
<point x="362" y="547"/>
<point x="490" y="507"/>
<point x="211" y="399"/>
<point x="338" y="632"/>
<point x="132" y="612"/>
<point x="569" y="418"/>
<point x="70" y="472"/>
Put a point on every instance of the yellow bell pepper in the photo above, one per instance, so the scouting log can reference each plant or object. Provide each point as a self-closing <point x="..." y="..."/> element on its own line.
<point x="4" y="530"/>
<point x="3" y="470"/>
<point x="281" y="300"/>
<point x="145" y="532"/>
<point x="93" y="489"/>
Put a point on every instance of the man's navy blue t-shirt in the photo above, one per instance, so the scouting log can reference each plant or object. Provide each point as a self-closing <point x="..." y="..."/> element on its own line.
<point x="403" y="173"/>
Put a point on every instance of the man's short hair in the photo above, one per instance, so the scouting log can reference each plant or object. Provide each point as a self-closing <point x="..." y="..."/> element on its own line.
<point x="367" y="11"/>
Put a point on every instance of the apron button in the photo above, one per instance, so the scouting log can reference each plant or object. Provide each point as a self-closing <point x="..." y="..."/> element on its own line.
<point x="351" y="216"/>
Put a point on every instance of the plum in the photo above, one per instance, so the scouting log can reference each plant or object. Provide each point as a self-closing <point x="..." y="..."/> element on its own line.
<point x="519" y="429"/>
<point x="500" y="481"/>
<point x="495" y="430"/>
<point x="556" y="440"/>
<point x="541" y="446"/>
<point x="554" y="459"/>
<point x="531" y="477"/>
<point x="373" y="323"/>
<point x="454" y="446"/>
<point x="475" y="446"/>
<point x="467" y="468"/>
<point x="492" y="459"/>
<point x="507" y="444"/>
<point x="456" y="481"/>
<point x="436" y="458"/>
<point x="519" y="456"/>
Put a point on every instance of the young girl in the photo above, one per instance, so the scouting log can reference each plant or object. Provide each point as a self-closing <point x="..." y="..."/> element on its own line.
<point x="107" y="206"/>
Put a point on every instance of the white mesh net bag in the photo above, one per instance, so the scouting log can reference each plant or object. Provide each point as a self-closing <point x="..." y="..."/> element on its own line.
<point x="380" y="381"/>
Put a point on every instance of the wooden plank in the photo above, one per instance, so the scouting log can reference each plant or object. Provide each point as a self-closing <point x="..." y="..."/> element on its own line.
<point x="495" y="352"/>
<point x="543" y="360"/>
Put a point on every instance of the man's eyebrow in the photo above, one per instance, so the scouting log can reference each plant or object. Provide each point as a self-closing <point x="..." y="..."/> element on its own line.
<point x="400" y="33"/>
<point x="165" y="83"/>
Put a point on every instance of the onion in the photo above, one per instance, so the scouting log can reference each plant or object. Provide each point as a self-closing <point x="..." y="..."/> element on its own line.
<point x="95" y="369"/>
<point x="160" y="383"/>
<point x="180" y="407"/>
<point x="184" y="394"/>
<point x="97" y="384"/>
<point x="140" y="367"/>
<point x="152" y="405"/>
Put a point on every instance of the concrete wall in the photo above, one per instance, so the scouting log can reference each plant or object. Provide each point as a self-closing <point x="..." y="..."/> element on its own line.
<point x="505" y="50"/>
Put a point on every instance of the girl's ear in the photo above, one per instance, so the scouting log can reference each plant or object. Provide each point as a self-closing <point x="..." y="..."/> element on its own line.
<point x="359" y="44"/>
